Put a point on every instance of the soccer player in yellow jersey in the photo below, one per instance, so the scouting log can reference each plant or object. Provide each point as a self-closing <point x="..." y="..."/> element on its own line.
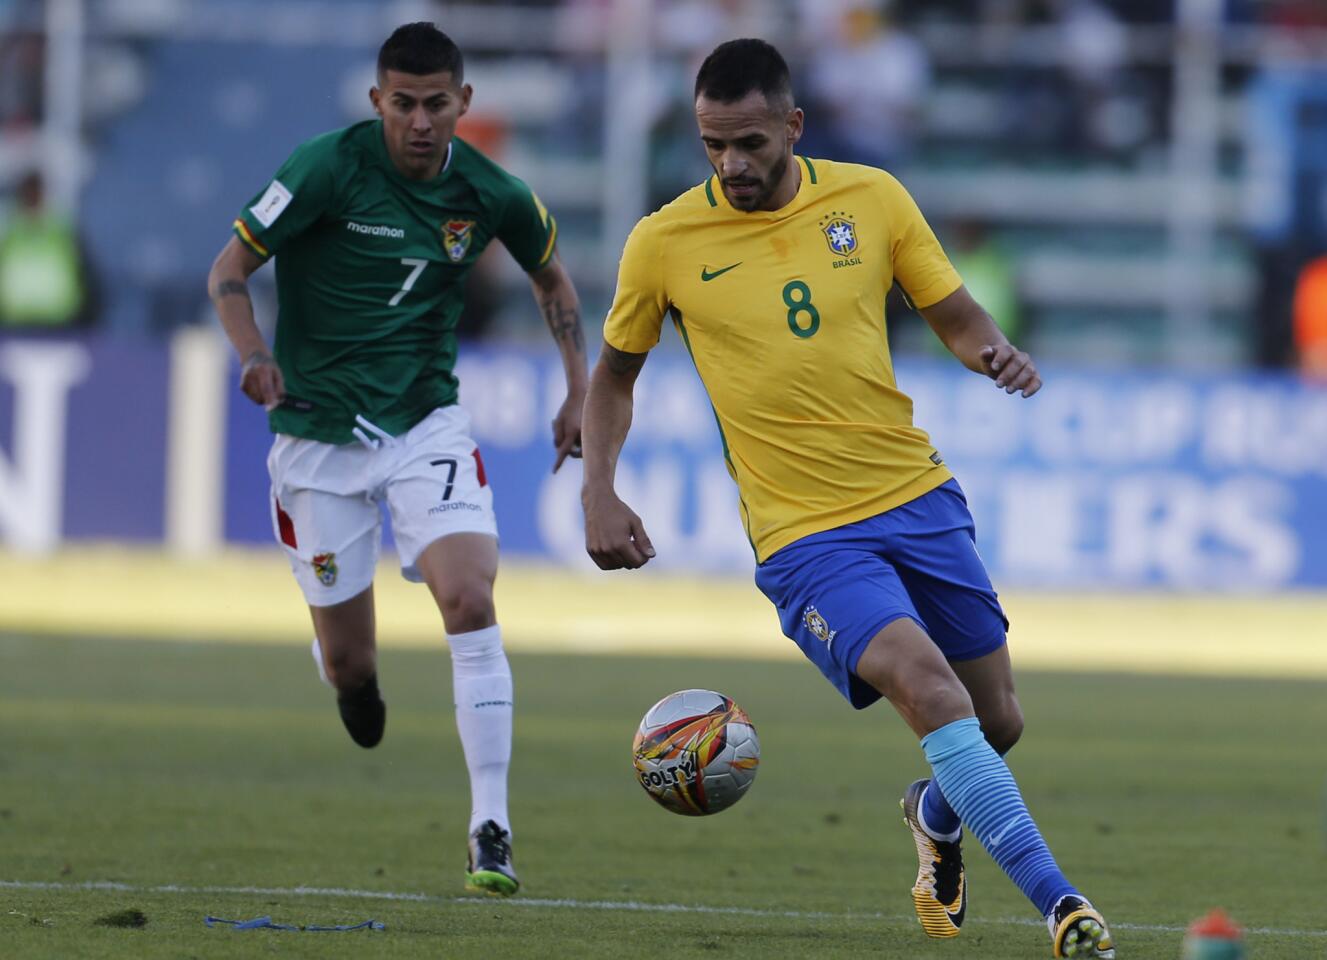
<point x="774" y="272"/>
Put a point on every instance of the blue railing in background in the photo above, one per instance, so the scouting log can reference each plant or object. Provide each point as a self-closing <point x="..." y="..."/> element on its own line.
<point x="1104" y="480"/>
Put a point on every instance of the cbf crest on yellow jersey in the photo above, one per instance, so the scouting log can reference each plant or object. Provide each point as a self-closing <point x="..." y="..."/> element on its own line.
<point x="783" y="313"/>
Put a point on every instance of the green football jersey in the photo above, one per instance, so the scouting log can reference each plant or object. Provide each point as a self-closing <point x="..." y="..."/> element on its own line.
<point x="369" y="271"/>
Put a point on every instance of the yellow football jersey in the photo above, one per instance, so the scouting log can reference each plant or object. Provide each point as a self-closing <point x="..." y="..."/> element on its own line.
<point x="783" y="313"/>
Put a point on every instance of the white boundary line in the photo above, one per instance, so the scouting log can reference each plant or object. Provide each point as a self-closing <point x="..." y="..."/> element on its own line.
<point x="626" y="906"/>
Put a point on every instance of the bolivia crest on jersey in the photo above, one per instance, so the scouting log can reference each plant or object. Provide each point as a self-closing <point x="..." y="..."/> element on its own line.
<point x="840" y="234"/>
<point x="456" y="236"/>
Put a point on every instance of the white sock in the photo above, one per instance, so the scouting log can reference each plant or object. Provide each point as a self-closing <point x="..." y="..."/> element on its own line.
<point x="318" y="662"/>
<point x="482" y="689"/>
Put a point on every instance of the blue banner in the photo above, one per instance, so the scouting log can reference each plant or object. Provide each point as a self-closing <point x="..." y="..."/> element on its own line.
<point x="82" y="440"/>
<point x="1104" y="480"/>
<point x="1125" y="479"/>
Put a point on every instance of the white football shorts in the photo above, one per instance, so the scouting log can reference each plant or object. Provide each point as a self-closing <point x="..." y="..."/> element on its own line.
<point x="325" y="500"/>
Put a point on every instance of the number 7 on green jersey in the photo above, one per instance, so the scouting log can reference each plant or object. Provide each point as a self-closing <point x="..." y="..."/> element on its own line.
<point x="418" y="266"/>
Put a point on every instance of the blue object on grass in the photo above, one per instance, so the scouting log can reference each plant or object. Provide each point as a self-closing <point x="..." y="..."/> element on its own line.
<point x="341" y="928"/>
<point x="265" y="923"/>
<point x="256" y="923"/>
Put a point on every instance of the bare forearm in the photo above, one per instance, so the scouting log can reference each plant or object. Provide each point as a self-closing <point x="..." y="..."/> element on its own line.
<point x="228" y="287"/>
<point x="561" y="310"/>
<point x="230" y="297"/>
<point x="562" y="313"/>
<point x="972" y="336"/>
<point x="607" y="418"/>
<point x="615" y="537"/>
<point x="964" y="327"/>
<point x="604" y="428"/>
<point x="966" y="342"/>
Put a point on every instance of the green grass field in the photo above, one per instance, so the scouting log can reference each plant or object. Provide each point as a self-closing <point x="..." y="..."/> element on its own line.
<point x="187" y="779"/>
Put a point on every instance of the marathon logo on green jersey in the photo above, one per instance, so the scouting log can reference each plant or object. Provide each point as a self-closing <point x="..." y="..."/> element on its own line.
<point x="375" y="230"/>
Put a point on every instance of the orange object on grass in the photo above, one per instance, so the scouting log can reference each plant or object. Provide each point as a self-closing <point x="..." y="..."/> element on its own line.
<point x="1217" y="924"/>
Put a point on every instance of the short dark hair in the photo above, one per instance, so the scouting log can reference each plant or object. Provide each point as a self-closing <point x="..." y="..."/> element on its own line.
<point x="738" y="67"/>
<point x="421" y="48"/>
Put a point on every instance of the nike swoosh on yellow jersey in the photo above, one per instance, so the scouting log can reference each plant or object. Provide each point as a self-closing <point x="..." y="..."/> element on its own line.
<point x="706" y="276"/>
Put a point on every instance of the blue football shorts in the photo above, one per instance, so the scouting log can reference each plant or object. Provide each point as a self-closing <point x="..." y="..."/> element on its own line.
<point x="837" y="589"/>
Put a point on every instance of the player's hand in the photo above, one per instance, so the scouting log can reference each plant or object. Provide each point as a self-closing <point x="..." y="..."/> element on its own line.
<point x="614" y="536"/>
<point x="1010" y="368"/>
<point x="261" y="380"/>
<point x="567" y="430"/>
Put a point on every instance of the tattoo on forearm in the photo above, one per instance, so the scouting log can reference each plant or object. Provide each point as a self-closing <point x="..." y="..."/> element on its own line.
<point x="564" y="322"/>
<point x="230" y="288"/>
<point x="621" y="363"/>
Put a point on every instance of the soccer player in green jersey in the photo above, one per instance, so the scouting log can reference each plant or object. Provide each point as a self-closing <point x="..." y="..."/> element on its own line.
<point x="373" y="229"/>
<point x="774" y="272"/>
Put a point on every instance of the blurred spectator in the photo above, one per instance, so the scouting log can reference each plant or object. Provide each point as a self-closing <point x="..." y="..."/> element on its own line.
<point x="21" y="58"/>
<point x="1295" y="13"/>
<point x="866" y="83"/>
<point x="988" y="273"/>
<point x="1285" y="141"/>
<point x="1087" y="104"/>
<point x="1093" y="45"/>
<point x="580" y="31"/>
<point x="44" y="280"/>
<point x="1310" y="323"/>
<point x="1152" y="11"/>
<point x="695" y="27"/>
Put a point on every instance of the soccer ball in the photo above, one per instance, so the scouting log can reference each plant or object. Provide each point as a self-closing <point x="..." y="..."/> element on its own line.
<point x="696" y="752"/>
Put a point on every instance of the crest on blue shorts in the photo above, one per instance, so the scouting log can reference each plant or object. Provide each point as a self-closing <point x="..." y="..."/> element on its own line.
<point x="818" y="625"/>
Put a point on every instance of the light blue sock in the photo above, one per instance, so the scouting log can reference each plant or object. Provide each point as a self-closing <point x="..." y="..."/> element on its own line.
<point x="937" y="816"/>
<point x="978" y="785"/>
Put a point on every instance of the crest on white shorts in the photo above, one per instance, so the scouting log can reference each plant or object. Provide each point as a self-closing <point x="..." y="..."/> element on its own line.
<point x="324" y="567"/>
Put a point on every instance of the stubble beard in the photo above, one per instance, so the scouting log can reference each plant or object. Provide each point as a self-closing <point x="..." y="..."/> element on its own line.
<point x="771" y="183"/>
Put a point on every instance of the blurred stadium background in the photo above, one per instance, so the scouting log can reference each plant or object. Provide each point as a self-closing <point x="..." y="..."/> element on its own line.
<point x="1137" y="189"/>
